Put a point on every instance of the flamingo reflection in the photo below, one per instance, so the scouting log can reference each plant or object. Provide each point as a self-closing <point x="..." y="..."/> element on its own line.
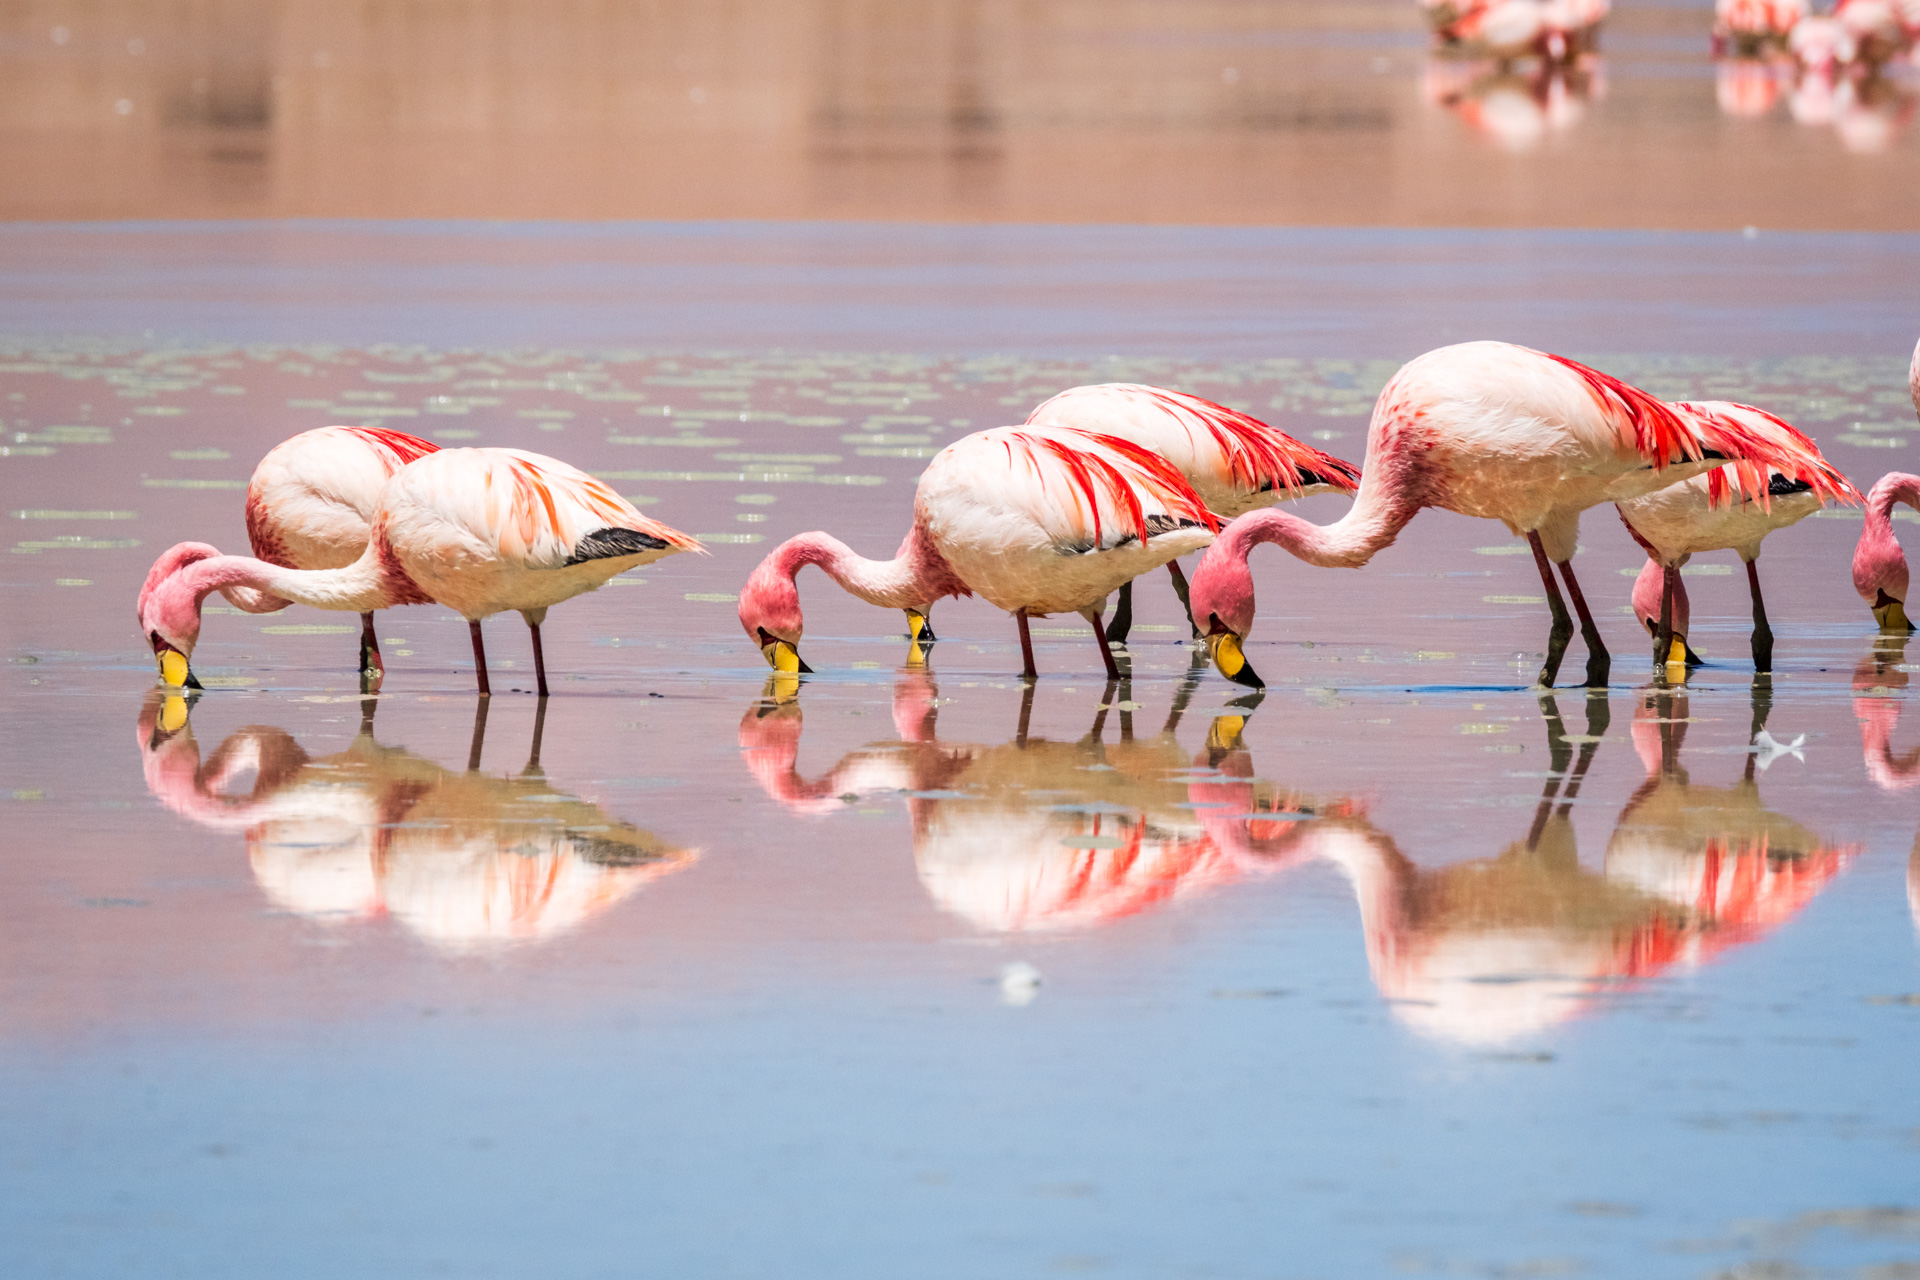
<point x="461" y="858"/>
<point x="1487" y="950"/>
<point x="1517" y="107"/>
<point x="1880" y="676"/>
<point x="1038" y="835"/>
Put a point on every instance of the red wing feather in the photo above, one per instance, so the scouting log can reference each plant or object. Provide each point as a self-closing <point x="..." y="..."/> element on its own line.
<point x="1261" y="456"/>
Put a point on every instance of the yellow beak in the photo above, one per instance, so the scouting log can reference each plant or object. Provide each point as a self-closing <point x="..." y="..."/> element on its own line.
<point x="1224" y="648"/>
<point x="173" y="668"/>
<point x="1892" y="617"/>
<point x="916" y="623"/>
<point x="782" y="656"/>
<point x="1677" y="652"/>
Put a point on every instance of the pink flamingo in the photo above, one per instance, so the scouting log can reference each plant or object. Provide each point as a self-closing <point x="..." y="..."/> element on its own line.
<point x="1718" y="512"/>
<point x="311" y="503"/>
<point x="1035" y="520"/>
<point x="1752" y="28"/>
<point x="1501" y="432"/>
<point x="1235" y="462"/>
<point x="478" y="530"/>
<point x="1879" y="566"/>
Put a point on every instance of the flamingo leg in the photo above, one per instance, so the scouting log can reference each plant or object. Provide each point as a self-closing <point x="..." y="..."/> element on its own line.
<point x="1026" y="715"/>
<point x="1100" y="634"/>
<point x="539" y="661"/>
<point x="1180" y="589"/>
<point x="372" y="670"/>
<point x="1663" y="634"/>
<point x="1762" y="633"/>
<point x="480" y="659"/>
<point x="1026" y="648"/>
<point x="1562" y="621"/>
<point x="1122" y="615"/>
<point x="1599" y="661"/>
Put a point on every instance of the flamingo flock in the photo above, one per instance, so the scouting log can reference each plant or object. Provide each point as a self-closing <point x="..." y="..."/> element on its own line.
<point x="1100" y="485"/>
<point x="1836" y="68"/>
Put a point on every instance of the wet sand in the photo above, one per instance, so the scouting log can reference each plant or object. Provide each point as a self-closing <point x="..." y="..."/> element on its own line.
<point x="947" y="111"/>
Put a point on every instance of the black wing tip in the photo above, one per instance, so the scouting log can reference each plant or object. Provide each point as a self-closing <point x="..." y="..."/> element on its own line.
<point x="611" y="544"/>
<point x="1779" y="486"/>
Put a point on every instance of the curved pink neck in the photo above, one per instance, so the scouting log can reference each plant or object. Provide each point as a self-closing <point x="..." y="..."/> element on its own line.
<point x="1373" y="522"/>
<point x="359" y="586"/>
<point x="916" y="576"/>
<point x="1894" y="487"/>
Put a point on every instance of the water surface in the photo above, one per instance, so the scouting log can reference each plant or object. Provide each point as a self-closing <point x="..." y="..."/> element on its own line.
<point x="903" y="969"/>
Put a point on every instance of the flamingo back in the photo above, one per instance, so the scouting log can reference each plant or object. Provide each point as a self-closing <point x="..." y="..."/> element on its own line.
<point x="1082" y="492"/>
<point x="1233" y="460"/>
<point x="312" y="499"/>
<point x="527" y="510"/>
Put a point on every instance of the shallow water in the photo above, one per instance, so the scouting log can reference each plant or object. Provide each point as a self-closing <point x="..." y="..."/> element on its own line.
<point x="912" y="970"/>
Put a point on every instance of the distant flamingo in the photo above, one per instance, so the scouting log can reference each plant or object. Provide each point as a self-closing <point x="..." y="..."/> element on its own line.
<point x="1502" y="432"/>
<point x="478" y="530"/>
<point x="1715" y="512"/>
<point x="1035" y="520"/>
<point x="1751" y="28"/>
<point x="311" y="503"/>
<point x="1879" y="566"/>
<point x="1235" y="462"/>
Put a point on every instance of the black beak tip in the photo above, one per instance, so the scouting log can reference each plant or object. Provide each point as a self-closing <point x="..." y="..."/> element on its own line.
<point x="804" y="669"/>
<point x="193" y="682"/>
<point x="1248" y="677"/>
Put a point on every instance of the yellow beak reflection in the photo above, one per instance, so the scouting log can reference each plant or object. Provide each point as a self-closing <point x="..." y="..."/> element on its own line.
<point x="783" y="657"/>
<point x="1892" y="617"/>
<point x="1224" y="733"/>
<point x="782" y="687"/>
<point x="173" y="668"/>
<point x="1224" y="648"/>
<point x="173" y="714"/>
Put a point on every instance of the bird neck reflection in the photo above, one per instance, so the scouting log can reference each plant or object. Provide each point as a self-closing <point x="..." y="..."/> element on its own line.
<point x="462" y="859"/>
<point x="1042" y="834"/>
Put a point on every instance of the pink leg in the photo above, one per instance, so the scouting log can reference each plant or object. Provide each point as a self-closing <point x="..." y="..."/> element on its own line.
<point x="1026" y="648"/>
<point x="480" y="660"/>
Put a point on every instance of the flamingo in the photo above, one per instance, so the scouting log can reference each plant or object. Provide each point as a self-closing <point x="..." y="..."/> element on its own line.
<point x="1713" y="513"/>
<point x="1502" y="432"/>
<point x="478" y="530"/>
<point x="1879" y="566"/>
<point x="1235" y="462"/>
<point x="311" y="502"/>
<point x="1034" y="520"/>
<point x="1752" y="27"/>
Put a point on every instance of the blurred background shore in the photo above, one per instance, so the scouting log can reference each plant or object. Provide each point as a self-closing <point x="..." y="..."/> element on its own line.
<point x="1176" y="111"/>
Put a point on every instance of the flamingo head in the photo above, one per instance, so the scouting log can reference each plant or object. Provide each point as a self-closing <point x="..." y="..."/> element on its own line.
<point x="170" y="614"/>
<point x="1879" y="566"/>
<point x="770" y="615"/>
<point x="1221" y="594"/>
<point x="1647" y="589"/>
